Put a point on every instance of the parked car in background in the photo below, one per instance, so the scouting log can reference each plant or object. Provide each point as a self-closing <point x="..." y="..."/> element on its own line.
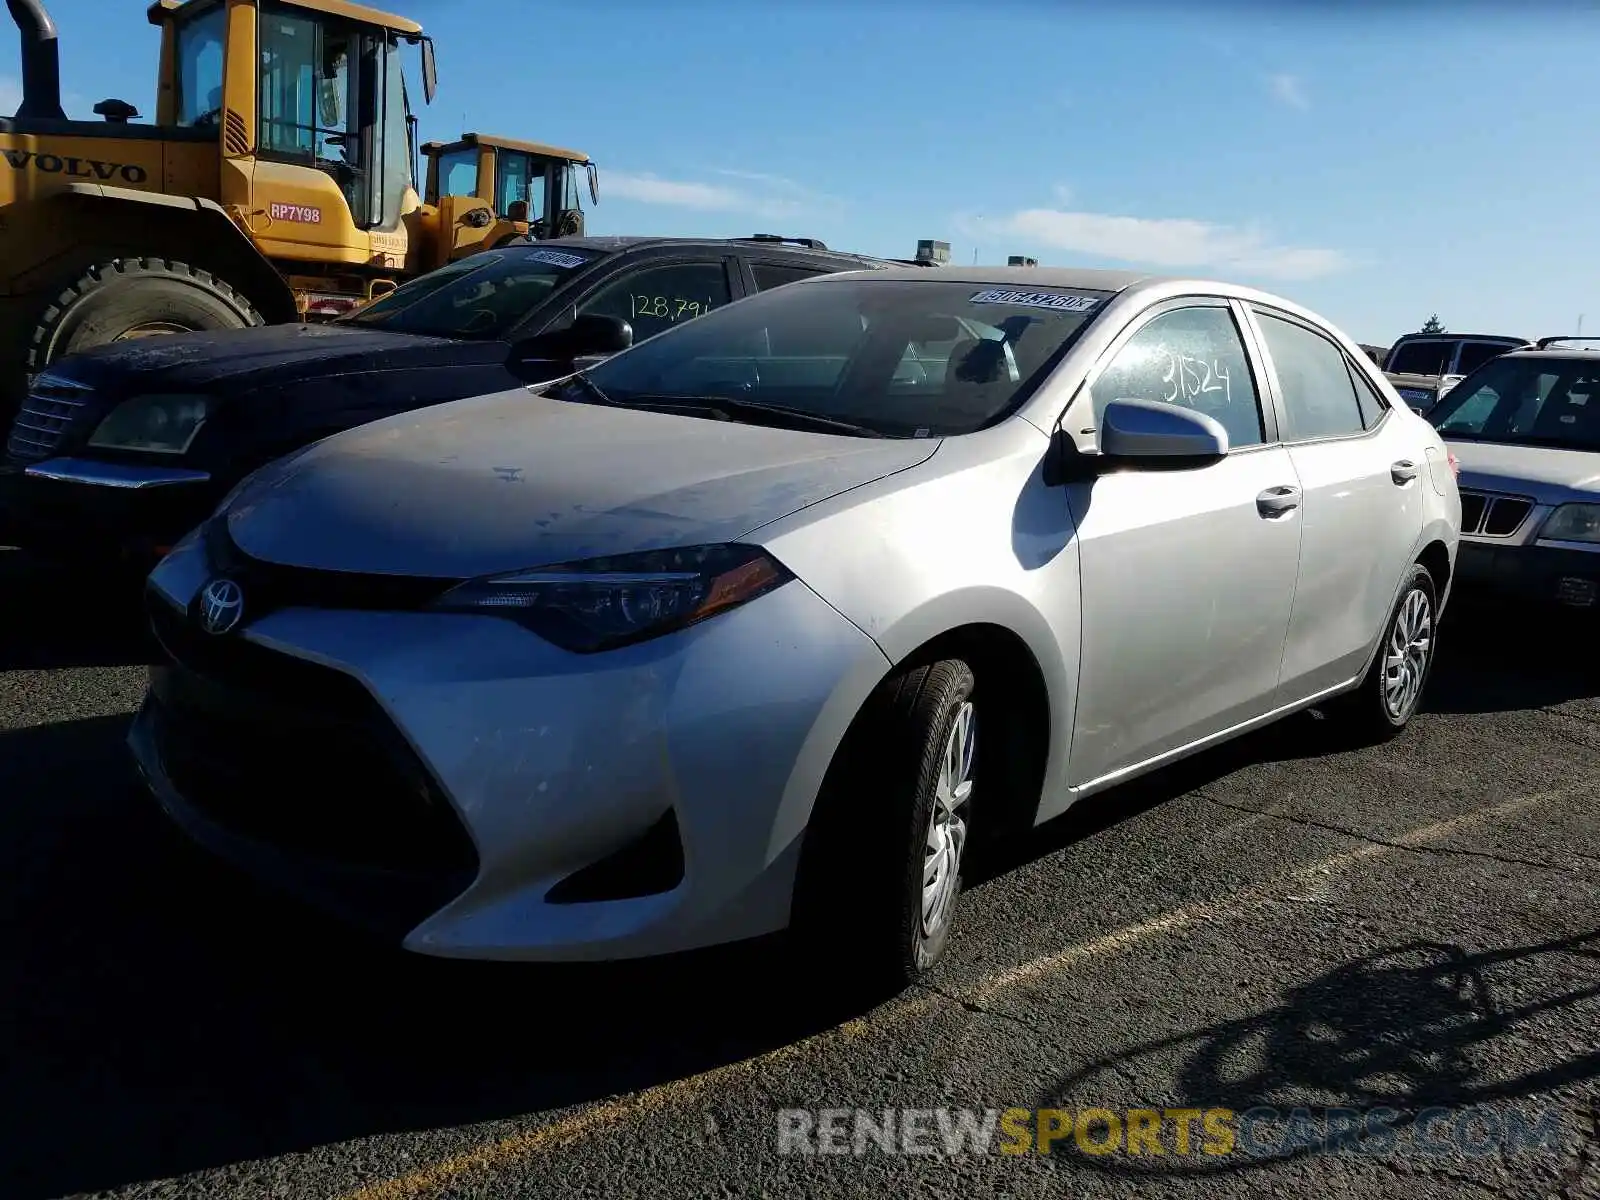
<point x="1425" y="366"/>
<point x="757" y="624"/>
<point x="1526" y="431"/>
<point x="121" y="450"/>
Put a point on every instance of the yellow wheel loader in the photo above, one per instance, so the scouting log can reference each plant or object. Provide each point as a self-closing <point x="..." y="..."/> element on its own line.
<point x="278" y="182"/>
<point x="522" y="182"/>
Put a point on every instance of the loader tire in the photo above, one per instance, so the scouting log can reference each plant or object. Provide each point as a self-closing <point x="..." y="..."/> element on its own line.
<point x="134" y="297"/>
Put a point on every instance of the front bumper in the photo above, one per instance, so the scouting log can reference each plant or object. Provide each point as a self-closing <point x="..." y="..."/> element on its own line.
<point x="493" y="768"/>
<point x="1563" y="576"/>
<point x="87" y="508"/>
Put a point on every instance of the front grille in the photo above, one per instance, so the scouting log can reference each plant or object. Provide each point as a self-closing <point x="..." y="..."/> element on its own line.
<point x="52" y="410"/>
<point x="269" y="586"/>
<point x="299" y="756"/>
<point x="1506" y="516"/>
<point x="1490" y="514"/>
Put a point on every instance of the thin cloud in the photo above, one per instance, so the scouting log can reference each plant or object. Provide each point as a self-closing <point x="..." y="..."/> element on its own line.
<point x="761" y="194"/>
<point x="1288" y="89"/>
<point x="1170" y="243"/>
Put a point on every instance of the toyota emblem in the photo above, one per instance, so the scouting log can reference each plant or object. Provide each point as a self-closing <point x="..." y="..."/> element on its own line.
<point x="221" y="606"/>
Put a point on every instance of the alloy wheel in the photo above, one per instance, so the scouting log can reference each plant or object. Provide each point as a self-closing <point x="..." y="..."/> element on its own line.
<point x="947" y="830"/>
<point x="1406" y="655"/>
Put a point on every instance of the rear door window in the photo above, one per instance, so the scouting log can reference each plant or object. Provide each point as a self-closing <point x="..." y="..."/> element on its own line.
<point x="1319" y="399"/>
<point x="771" y="275"/>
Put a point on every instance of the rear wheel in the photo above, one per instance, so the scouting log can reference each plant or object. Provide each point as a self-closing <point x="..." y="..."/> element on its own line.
<point x="1391" y="692"/>
<point x="884" y="852"/>
<point x="129" y="298"/>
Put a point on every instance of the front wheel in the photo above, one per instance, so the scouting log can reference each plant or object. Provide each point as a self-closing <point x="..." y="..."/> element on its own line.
<point x="129" y="298"/>
<point x="1391" y="691"/>
<point x="881" y="872"/>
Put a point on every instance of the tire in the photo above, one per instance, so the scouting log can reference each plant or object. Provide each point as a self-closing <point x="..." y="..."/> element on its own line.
<point x="1375" y="712"/>
<point x="112" y="300"/>
<point x="878" y="829"/>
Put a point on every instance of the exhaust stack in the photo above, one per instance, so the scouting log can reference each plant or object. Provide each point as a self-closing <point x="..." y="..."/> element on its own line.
<point x="41" y="62"/>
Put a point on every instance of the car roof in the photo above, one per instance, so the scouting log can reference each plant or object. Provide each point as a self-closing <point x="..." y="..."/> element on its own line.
<point x="1569" y="353"/>
<point x="1082" y="278"/>
<point x="612" y="243"/>
<point x="1461" y="337"/>
<point x="1137" y="286"/>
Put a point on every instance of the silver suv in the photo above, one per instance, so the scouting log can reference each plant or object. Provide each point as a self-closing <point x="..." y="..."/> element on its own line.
<point x="1525" y="429"/>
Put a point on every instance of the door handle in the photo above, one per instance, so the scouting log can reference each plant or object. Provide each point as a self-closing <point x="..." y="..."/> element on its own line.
<point x="1278" y="501"/>
<point x="1402" y="472"/>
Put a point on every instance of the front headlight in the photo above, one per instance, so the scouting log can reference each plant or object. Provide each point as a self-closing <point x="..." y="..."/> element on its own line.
<point x="604" y="603"/>
<point x="1573" y="523"/>
<point x="159" y="423"/>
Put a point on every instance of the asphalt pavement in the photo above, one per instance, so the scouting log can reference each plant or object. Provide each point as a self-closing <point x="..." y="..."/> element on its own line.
<point x="1277" y="925"/>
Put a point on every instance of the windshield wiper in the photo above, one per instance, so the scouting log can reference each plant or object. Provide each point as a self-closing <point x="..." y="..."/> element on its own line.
<point x="727" y="408"/>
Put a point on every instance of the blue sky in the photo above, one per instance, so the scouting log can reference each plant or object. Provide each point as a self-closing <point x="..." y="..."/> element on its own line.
<point x="1377" y="164"/>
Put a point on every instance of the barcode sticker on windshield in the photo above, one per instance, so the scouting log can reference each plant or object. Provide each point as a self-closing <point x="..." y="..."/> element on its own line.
<point x="556" y="258"/>
<point x="1051" y="300"/>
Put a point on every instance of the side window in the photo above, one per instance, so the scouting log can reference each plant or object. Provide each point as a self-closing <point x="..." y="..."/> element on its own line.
<point x="458" y="173"/>
<point x="1193" y="357"/>
<point x="658" y="297"/>
<point x="771" y="275"/>
<point x="1428" y="357"/>
<point x="1319" y="400"/>
<point x="200" y="69"/>
<point x="519" y="183"/>
<point x="1371" y="404"/>
<point x="1474" y="354"/>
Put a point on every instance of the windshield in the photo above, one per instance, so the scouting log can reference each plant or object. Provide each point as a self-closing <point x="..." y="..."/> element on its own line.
<point x="1526" y="401"/>
<point x="902" y="358"/>
<point x="480" y="297"/>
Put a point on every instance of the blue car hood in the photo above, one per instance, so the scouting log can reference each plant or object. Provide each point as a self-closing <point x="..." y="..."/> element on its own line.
<point x="512" y="480"/>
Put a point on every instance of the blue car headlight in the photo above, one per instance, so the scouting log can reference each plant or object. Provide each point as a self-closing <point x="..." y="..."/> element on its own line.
<point x="1573" y="523"/>
<point x="603" y="603"/>
<point x="160" y="424"/>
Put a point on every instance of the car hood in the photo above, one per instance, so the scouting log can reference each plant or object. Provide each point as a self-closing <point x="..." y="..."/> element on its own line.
<point x="1549" y="474"/>
<point x="261" y="355"/>
<point x="513" y="480"/>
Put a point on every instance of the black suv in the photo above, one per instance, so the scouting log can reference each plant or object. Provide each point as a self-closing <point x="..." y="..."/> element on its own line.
<point x="120" y="450"/>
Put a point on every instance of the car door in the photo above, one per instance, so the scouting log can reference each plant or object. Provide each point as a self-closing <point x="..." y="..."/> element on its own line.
<point x="657" y="294"/>
<point x="1188" y="572"/>
<point x="1361" y="472"/>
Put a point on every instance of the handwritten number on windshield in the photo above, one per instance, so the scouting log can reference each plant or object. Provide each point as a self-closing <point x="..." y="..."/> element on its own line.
<point x="1188" y="378"/>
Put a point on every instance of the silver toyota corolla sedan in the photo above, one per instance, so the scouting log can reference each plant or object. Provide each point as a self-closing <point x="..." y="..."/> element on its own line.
<point x="758" y="624"/>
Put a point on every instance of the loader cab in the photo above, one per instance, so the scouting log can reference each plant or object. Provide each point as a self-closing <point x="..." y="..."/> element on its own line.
<point x="522" y="182"/>
<point x="317" y="84"/>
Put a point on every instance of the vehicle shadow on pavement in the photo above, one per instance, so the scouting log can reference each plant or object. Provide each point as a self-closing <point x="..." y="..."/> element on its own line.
<point x="166" y="1016"/>
<point x="1509" y="658"/>
<point x="1407" y="1029"/>
<point x="56" y="617"/>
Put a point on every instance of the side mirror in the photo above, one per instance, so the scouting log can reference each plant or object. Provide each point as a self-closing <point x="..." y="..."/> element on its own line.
<point x="1154" y="433"/>
<point x="589" y="335"/>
